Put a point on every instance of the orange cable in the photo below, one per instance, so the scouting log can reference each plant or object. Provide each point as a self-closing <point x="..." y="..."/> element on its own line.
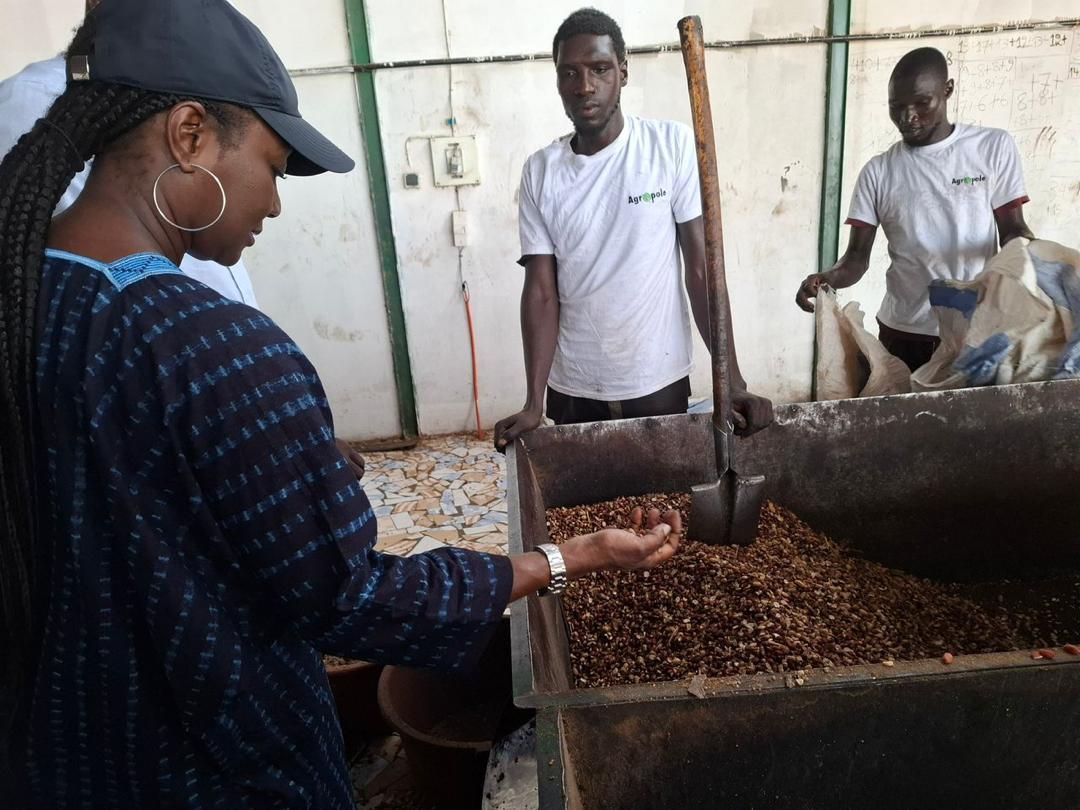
<point x="472" y="345"/>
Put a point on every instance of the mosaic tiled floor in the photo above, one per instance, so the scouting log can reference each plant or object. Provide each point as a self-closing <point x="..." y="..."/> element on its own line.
<point x="448" y="490"/>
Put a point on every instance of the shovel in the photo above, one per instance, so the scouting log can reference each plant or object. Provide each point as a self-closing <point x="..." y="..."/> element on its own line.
<point x="724" y="511"/>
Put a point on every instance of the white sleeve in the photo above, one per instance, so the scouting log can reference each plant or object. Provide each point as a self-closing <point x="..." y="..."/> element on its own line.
<point x="686" y="195"/>
<point x="1008" y="174"/>
<point x="864" y="198"/>
<point x="243" y="283"/>
<point x="24" y="100"/>
<point x="535" y="239"/>
<point x="233" y="283"/>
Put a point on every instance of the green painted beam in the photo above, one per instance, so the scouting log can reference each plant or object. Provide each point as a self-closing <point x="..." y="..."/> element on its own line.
<point x="356" y="18"/>
<point x="836" y="63"/>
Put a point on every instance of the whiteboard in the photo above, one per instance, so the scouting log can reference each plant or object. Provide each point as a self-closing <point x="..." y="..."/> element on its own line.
<point x="1025" y="82"/>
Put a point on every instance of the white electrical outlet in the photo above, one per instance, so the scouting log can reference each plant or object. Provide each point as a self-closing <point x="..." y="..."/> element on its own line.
<point x="455" y="161"/>
<point x="459" y="224"/>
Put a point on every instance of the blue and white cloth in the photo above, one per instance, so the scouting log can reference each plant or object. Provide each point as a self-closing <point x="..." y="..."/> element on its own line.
<point x="205" y="542"/>
<point x="1018" y="321"/>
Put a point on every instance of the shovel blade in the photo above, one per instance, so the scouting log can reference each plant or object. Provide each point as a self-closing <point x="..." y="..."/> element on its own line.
<point x="726" y="511"/>
<point x="710" y="512"/>
<point x="749" y="495"/>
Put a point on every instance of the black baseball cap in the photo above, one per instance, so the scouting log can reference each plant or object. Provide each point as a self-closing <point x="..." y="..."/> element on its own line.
<point x="206" y="49"/>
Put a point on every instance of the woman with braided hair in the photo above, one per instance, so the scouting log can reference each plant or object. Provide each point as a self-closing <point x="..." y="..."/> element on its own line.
<point x="27" y="95"/>
<point x="181" y="539"/>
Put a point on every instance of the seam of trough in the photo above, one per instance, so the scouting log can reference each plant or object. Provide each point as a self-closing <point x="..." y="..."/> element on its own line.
<point x="843" y="680"/>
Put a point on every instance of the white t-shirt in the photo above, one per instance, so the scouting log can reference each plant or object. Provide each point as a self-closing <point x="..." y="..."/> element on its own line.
<point x="609" y="219"/>
<point x="26" y="97"/>
<point x="936" y="205"/>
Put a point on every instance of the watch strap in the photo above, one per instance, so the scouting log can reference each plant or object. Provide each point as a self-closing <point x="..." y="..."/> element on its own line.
<point x="557" y="566"/>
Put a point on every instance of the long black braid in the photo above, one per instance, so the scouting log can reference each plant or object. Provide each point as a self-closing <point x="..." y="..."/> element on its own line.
<point x="35" y="174"/>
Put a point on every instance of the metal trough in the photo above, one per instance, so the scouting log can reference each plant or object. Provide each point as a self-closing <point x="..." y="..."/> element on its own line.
<point x="974" y="485"/>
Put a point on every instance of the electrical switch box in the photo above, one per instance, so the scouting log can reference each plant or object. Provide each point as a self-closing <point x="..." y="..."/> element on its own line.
<point x="455" y="161"/>
<point x="459" y="225"/>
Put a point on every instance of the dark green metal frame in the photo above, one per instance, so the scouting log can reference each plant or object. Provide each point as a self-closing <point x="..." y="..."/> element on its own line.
<point x="360" y="47"/>
<point x="835" y="108"/>
<point x="832" y="178"/>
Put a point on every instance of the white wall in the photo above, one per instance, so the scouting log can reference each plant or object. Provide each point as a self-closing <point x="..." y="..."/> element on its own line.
<point x="316" y="269"/>
<point x="868" y="16"/>
<point x="31" y="30"/>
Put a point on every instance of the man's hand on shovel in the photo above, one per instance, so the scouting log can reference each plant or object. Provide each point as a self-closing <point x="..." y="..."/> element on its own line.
<point x="751" y="412"/>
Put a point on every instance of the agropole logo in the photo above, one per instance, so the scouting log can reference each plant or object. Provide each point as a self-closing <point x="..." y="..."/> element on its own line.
<point x="647" y="197"/>
<point x="969" y="180"/>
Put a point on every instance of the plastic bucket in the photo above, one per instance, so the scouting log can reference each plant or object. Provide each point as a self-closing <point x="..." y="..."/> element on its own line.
<point x="447" y="722"/>
<point x="355" y="687"/>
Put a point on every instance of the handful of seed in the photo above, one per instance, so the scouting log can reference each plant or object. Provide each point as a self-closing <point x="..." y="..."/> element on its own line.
<point x="791" y="600"/>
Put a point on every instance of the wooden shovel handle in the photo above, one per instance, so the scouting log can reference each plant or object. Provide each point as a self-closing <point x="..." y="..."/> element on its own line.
<point x="693" y="50"/>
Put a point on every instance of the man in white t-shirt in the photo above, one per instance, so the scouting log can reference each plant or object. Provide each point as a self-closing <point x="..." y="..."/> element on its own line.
<point x="946" y="196"/>
<point x="604" y="214"/>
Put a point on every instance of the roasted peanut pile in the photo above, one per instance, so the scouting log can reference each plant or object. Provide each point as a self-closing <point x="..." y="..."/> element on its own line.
<point x="790" y="601"/>
<point x="336" y="661"/>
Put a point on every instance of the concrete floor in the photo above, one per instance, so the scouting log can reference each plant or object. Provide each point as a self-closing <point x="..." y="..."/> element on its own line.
<point x="380" y="778"/>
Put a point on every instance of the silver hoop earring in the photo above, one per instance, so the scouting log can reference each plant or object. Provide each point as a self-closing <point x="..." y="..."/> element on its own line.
<point x="161" y="213"/>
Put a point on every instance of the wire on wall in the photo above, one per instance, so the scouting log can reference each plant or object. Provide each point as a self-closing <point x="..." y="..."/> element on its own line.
<point x="465" y="295"/>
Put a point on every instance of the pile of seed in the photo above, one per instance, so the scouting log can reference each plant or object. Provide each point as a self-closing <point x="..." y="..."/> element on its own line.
<point x="337" y="661"/>
<point x="791" y="600"/>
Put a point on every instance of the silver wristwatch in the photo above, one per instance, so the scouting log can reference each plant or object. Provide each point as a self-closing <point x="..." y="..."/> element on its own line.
<point x="558" y="569"/>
